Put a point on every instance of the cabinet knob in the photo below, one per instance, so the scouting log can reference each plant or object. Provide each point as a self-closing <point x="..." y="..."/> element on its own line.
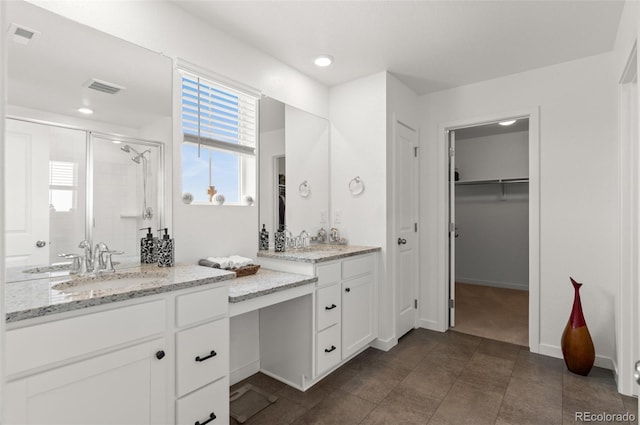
<point x="160" y="354"/>
<point x="347" y="290"/>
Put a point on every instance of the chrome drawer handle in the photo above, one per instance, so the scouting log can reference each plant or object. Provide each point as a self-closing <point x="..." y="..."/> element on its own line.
<point x="211" y="417"/>
<point x="328" y="350"/>
<point x="331" y="307"/>
<point x="201" y="359"/>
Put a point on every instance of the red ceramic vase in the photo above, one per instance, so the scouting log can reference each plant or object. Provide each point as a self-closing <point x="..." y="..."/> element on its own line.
<point x="577" y="346"/>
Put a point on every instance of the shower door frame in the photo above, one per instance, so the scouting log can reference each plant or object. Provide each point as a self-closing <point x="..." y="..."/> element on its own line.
<point x="89" y="136"/>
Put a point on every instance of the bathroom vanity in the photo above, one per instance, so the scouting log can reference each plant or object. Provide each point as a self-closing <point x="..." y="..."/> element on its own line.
<point x="119" y="355"/>
<point x="304" y="339"/>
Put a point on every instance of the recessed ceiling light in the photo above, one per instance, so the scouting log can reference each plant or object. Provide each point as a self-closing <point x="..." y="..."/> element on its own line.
<point x="508" y="122"/>
<point x="323" y="60"/>
<point x="85" y="111"/>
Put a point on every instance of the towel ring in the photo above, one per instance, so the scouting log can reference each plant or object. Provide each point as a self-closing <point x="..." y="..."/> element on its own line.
<point x="304" y="189"/>
<point x="356" y="186"/>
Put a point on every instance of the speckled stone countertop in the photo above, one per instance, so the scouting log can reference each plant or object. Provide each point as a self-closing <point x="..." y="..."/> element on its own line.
<point x="265" y="282"/>
<point x="40" y="297"/>
<point x="319" y="253"/>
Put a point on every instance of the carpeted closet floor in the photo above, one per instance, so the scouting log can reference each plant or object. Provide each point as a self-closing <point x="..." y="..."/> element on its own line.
<point x="494" y="313"/>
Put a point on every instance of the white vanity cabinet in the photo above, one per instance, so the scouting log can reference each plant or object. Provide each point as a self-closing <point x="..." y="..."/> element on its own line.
<point x="344" y="317"/>
<point x="160" y="359"/>
<point x="105" y="367"/>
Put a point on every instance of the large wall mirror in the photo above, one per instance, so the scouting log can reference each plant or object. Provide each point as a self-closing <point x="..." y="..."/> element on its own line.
<point x="294" y="169"/>
<point x="72" y="176"/>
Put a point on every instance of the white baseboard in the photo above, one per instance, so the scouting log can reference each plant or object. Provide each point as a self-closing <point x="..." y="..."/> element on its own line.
<point x="507" y="285"/>
<point x="556" y="351"/>
<point x="431" y="325"/>
<point x="244" y="372"/>
<point x="384" y="344"/>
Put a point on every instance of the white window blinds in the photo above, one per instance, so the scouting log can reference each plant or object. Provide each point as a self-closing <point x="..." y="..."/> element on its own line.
<point x="217" y="116"/>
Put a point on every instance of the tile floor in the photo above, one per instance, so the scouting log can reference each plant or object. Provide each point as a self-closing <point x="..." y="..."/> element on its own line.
<point x="445" y="378"/>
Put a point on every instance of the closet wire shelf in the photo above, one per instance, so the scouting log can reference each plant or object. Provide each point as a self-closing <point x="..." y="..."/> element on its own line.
<point x="493" y="181"/>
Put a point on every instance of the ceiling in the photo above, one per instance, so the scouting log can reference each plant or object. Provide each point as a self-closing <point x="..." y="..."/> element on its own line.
<point x="49" y="73"/>
<point x="429" y="45"/>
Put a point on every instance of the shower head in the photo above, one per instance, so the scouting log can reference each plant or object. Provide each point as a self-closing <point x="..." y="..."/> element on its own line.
<point x="126" y="148"/>
<point x="136" y="159"/>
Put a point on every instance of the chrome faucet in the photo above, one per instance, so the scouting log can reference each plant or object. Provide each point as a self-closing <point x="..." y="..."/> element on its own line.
<point x="87" y="263"/>
<point x="304" y="239"/>
<point x="98" y="259"/>
<point x="334" y="235"/>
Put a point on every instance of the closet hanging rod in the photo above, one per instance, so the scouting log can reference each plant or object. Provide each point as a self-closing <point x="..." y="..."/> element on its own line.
<point x="493" y="181"/>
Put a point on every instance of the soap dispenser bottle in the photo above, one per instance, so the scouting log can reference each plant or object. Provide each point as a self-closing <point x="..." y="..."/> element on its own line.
<point x="164" y="252"/>
<point x="148" y="247"/>
<point x="264" y="239"/>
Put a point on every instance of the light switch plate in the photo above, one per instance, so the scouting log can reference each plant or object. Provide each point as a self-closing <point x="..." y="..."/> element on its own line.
<point x="337" y="217"/>
<point x="323" y="216"/>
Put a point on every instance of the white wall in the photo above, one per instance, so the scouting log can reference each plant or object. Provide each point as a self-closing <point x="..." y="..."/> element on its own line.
<point x="493" y="243"/>
<point x="358" y="115"/>
<point x="578" y="190"/>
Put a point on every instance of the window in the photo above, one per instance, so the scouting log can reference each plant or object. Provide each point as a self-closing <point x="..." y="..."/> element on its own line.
<point x="219" y="144"/>
<point x="62" y="186"/>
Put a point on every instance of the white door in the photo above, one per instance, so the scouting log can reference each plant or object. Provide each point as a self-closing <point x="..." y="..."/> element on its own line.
<point x="452" y="229"/>
<point x="27" y="193"/>
<point x="406" y="227"/>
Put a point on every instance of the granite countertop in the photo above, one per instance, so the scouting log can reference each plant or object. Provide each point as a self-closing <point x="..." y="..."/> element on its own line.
<point x="39" y="297"/>
<point x="318" y="253"/>
<point x="265" y="282"/>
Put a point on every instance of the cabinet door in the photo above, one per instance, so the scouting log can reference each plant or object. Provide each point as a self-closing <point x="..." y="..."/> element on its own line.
<point x="128" y="386"/>
<point x="357" y="314"/>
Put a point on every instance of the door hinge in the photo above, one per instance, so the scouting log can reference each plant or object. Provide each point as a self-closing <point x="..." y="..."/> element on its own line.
<point x="452" y="303"/>
<point x="415" y="227"/>
<point x="415" y="151"/>
<point x="452" y="152"/>
<point x="415" y="304"/>
<point x="452" y="227"/>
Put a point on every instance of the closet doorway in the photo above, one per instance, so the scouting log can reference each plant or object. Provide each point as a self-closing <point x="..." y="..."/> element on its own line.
<point x="489" y="247"/>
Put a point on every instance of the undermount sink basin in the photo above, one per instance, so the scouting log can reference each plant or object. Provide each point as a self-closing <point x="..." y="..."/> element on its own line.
<point x="110" y="282"/>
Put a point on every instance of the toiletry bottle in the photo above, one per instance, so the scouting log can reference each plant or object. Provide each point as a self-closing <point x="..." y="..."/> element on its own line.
<point x="148" y="248"/>
<point x="279" y="241"/>
<point x="164" y="250"/>
<point x="264" y="239"/>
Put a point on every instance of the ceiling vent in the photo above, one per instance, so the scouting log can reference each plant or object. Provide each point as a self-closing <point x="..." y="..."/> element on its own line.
<point x="21" y="34"/>
<point x="103" y="86"/>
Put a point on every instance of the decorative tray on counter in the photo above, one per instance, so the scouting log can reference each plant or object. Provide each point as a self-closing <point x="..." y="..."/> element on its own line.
<point x="245" y="270"/>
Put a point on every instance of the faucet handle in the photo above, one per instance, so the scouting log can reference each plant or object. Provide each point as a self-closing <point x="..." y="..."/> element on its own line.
<point x="108" y="266"/>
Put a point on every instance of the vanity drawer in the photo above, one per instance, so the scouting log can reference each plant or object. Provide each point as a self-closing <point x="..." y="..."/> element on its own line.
<point x="202" y="305"/>
<point x="201" y="355"/>
<point x="357" y="266"/>
<point x="328" y="349"/>
<point x="328" y="306"/>
<point x="198" y="407"/>
<point x="59" y="340"/>
<point x="328" y="273"/>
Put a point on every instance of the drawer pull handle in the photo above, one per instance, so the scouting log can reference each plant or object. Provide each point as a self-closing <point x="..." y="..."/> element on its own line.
<point x="159" y="355"/>
<point x="201" y="359"/>
<point x="328" y="350"/>
<point x="331" y="307"/>
<point x="212" y="416"/>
